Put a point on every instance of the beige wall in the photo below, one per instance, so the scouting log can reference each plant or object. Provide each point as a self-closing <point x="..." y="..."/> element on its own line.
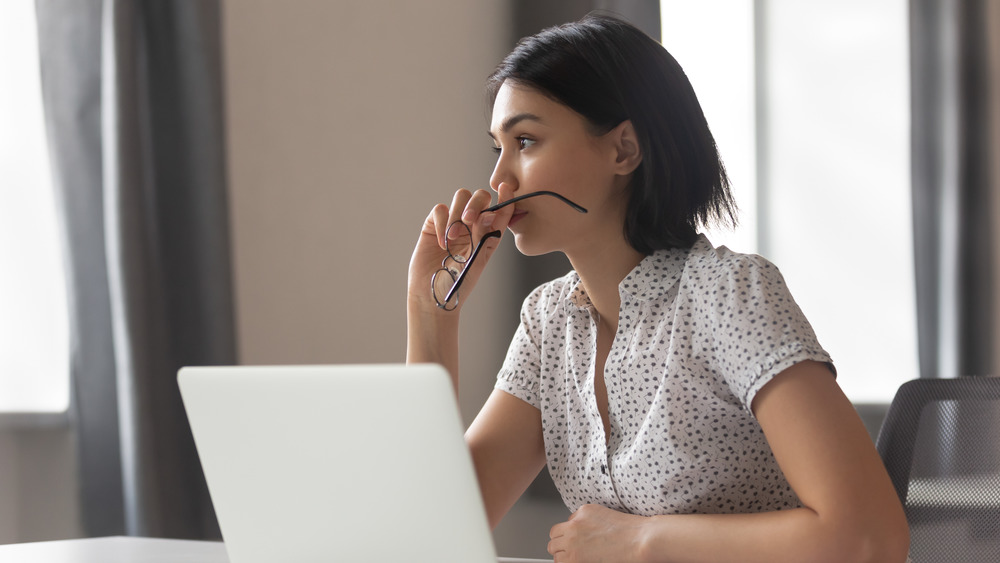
<point x="347" y="122"/>
<point x="37" y="483"/>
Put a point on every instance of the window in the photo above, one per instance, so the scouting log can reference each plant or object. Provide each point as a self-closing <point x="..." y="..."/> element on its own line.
<point x="809" y="103"/>
<point x="34" y="334"/>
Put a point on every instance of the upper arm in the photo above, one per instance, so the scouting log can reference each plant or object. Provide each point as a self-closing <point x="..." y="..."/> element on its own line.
<point x="825" y="452"/>
<point x="507" y="450"/>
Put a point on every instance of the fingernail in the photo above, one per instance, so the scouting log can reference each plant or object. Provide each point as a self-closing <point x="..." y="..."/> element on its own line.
<point x="486" y="219"/>
<point x="467" y="216"/>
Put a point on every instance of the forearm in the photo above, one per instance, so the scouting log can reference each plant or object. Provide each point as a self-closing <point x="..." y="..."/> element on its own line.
<point x="432" y="337"/>
<point x="789" y="535"/>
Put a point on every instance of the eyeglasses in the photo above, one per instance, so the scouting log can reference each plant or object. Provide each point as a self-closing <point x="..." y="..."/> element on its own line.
<point x="446" y="282"/>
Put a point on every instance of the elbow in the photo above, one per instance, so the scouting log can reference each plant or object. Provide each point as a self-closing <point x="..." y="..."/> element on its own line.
<point x="887" y="542"/>
<point x="893" y="545"/>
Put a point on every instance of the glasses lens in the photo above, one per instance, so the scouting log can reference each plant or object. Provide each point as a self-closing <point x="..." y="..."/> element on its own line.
<point x="441" y="284"/>
<point x="458" y="242"/>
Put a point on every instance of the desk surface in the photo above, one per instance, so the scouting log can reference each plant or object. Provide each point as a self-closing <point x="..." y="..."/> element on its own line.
<point x="130" y="550"/>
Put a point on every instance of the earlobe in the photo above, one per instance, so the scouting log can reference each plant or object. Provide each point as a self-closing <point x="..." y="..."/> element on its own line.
<point x="629" y="153"/>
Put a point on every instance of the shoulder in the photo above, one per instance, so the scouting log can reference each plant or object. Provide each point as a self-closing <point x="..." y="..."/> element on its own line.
<point x="719" y="269"/>
<point x="548" y="299"/>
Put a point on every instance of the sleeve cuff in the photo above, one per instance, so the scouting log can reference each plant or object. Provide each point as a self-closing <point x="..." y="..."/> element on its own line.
<point x="516" y="385"/>
<point x="782" y="359"/>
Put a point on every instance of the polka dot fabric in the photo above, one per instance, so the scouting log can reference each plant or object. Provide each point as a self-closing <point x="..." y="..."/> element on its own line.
<point x="700" y="332"/>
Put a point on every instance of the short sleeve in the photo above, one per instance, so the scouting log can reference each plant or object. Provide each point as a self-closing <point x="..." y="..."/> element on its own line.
<point x="758" y="328"/>
<point x="520" y="374"/>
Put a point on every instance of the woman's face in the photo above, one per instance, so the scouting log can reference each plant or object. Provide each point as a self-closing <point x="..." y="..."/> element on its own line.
<point x="545" y="145"/>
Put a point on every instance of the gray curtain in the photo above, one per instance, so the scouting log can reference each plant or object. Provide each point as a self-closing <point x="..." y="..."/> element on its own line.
<point x="953" y="185"/>
<point x="133" y="102"/>
<point x="531" y="16"/>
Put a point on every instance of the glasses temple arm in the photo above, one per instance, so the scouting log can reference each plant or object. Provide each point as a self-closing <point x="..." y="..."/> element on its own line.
<point x="468" y="264"/>
<point x="562" y="198"/>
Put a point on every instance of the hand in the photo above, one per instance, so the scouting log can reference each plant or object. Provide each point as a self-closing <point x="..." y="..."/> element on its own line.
<point x="597" y="534"/>
<point x="430" y="249"/>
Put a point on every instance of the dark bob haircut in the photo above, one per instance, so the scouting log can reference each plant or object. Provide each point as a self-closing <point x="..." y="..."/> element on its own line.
<point x="609" y="71"/>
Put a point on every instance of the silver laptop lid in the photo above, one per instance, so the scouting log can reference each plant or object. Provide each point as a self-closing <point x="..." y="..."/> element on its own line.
<point x="337" y="463"/>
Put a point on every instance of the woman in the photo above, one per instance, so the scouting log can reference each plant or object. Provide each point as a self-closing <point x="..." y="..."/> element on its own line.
<point x="679" y="397"/>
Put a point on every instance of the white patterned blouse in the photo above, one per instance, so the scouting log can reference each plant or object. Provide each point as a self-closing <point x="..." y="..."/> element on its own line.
<point x="700" y="332"/>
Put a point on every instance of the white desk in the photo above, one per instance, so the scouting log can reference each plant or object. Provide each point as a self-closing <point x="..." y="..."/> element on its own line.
<point x="115" y="550"/>
<point x="130" y="550"/>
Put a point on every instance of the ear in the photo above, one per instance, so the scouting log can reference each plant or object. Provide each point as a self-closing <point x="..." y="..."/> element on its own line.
<point x="626" y="143"/>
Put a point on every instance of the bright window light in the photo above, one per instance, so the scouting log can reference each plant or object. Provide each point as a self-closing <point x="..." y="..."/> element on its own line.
<point x="834" y="208"/>
<point x="34" y="334"/>
<point x="720" y="66"/>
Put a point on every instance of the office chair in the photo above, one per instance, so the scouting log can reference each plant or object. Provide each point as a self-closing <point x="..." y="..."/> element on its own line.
<point x="941" y="445"/>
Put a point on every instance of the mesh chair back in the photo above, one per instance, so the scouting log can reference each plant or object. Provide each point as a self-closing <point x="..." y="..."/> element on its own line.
<point x="940" y="443"/>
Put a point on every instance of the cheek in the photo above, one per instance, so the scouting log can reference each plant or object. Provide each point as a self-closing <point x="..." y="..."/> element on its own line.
<point x="563" y="170"/>
<point x="542" y="173"/>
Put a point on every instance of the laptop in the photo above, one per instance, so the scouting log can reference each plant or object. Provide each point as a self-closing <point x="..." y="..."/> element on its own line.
<point x="337" y="463"/>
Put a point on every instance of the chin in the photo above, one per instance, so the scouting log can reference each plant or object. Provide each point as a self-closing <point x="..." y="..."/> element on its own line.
<point x="525" y="247"/>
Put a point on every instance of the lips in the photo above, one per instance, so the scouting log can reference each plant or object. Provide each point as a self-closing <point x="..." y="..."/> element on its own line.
<point x="516" y="217"/>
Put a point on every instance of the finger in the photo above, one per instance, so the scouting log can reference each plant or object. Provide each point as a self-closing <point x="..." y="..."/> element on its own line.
<point x="458" y="240"/>
<point x="458" y="203"/>
<point x="482" y="224"/>
<point x="480" y="200"/>
<point x="439" y="219"/>
<point x="502" y="216"/>
<point x="559" y="551"/>
<point x="505" y="192"/>
<point x="554" y="548"/>
<point x="474" y="270"/>
<point x="485" y="223"/>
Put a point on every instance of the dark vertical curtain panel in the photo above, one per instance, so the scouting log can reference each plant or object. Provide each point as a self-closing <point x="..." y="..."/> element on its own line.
<point x="952" y="104"/>
<point x="69" y="33"/>
<point x="134" y="111"/>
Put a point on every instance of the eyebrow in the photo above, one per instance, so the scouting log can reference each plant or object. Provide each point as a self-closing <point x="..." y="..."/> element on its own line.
<point x="513" y="120"/>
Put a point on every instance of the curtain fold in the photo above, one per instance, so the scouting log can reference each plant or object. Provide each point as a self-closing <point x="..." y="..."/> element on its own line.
<point x="70" y="50"/>
<point x="954" y="185"/>
<point x="137" y="105"/>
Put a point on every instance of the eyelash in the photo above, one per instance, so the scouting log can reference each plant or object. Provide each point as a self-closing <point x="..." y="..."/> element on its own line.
<point x="520" y="143"/>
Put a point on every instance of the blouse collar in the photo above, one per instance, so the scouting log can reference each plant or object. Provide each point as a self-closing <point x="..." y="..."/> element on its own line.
<point x="655" y="275"/>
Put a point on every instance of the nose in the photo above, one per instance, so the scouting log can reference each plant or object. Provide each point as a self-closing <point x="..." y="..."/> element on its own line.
<point x="502" y="175"/>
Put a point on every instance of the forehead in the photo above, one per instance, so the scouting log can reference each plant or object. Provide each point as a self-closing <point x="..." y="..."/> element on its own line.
<point x="515" y="100"/>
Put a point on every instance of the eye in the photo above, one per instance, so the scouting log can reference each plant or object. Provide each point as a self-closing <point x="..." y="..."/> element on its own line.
<point x="522" y="143"/>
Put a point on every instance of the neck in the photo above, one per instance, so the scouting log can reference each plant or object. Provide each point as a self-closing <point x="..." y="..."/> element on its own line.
<point x="601" y="271"/>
